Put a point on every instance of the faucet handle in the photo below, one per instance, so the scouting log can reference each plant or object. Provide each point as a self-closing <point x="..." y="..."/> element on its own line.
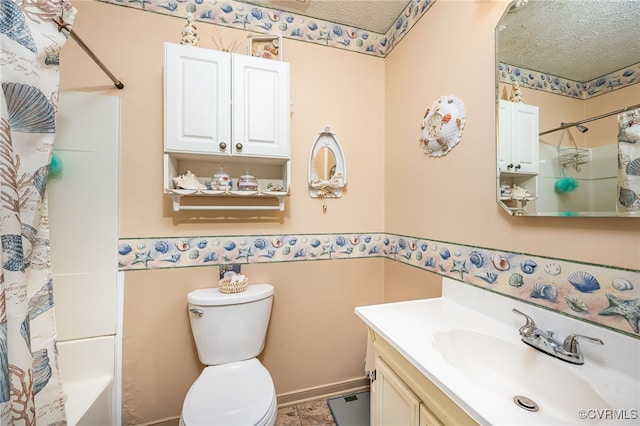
<point x="571" y="342"/>
<point x="529" y="327"/>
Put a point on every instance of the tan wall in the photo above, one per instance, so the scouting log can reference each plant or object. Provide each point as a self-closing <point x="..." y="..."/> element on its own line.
<point x="314" y="337"/>
<point x="376" y="107"/>
<point x="555" y="109"/>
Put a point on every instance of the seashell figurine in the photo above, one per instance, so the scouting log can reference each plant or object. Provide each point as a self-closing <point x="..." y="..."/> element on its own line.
<point x="583" y="281"/>
<point x="188" y="181"/>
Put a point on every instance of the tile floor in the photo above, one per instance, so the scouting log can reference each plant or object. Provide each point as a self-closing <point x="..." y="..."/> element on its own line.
<point x="312" y="413"/>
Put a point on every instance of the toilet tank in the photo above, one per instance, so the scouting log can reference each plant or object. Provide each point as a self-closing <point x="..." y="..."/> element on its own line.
<point x="230" y="327"/>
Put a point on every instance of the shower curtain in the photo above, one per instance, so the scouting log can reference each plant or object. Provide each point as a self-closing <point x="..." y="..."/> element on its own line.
<point x="32" y="32"/>
<point x="629" y="162"/>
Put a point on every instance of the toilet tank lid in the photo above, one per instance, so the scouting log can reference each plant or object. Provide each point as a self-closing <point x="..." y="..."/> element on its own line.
<point x="213" y="296"/>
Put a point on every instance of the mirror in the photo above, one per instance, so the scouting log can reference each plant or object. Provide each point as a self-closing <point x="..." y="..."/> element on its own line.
<point x="324" y="163"/>
<point x="565" y="72"/>
<point x="327" y="169"/>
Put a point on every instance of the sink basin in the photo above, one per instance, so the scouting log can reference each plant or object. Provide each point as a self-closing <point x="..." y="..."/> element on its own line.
<point x="512" y="368"/>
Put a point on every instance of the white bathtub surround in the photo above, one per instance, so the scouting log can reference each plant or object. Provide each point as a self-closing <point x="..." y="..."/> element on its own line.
<point x="87" y="367"/>
<point x="87" y="284"/>
<point x="467" y="343"/>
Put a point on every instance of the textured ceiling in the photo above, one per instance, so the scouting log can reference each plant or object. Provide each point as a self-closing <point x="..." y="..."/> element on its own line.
<point x="557" y="37"/>
<point x="576" y="40"/>
<point x="371" y="15"/>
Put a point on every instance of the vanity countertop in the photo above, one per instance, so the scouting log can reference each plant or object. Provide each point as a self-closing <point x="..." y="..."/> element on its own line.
<point x="483" y="376"/>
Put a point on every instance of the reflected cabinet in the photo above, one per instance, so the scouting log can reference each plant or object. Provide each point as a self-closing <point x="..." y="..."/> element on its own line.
<point x="518" y="137"/>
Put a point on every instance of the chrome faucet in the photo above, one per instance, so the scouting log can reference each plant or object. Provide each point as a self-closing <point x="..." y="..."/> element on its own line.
<point x="569" y="350"/>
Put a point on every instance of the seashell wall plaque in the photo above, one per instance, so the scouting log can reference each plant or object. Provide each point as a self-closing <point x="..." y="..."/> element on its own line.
<point x="442" y="126"/>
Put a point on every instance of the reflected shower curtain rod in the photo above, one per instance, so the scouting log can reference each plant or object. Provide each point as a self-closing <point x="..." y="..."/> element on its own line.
<point x="567" y="125"/>
<point x="88" y="51"/>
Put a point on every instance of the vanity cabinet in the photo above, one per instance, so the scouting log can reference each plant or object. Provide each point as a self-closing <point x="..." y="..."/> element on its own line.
<point x="230" y="110"/>
<point x="518" y="150"/>
<point x="395" y="403"/>
<point x="402" y="395"/>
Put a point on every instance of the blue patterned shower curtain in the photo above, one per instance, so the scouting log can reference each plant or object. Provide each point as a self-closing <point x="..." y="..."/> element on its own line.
<point x="32" y="32"/>
<point x="629" y="162"/>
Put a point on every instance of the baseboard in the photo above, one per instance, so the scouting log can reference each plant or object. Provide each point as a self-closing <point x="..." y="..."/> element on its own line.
<point x="324" y="391"/>
<point x="169" y="421"/>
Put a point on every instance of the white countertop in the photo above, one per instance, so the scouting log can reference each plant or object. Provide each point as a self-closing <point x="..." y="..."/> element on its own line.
<point x="420" y="330"/>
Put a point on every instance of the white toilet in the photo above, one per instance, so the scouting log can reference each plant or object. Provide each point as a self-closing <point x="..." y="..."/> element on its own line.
<point x="229" y="331"/>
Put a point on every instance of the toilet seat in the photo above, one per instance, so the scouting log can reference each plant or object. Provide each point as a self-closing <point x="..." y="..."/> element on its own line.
<point x="238" y="393"/>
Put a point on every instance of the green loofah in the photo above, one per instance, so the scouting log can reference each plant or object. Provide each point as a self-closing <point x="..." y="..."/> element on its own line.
<point x="566" y="184"/>
<point x="55" y="168"/>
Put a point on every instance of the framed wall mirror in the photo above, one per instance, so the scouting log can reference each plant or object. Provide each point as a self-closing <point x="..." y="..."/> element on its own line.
<point x="567" y="74"/>
<point x="327" y="170"/>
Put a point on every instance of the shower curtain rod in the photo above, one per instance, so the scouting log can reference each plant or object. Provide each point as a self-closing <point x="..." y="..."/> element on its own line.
<point x="567" y="125"/>
<point x="88" y="51"/>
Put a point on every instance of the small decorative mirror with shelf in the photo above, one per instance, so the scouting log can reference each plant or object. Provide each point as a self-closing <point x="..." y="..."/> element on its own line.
<point x="327" y="168"/>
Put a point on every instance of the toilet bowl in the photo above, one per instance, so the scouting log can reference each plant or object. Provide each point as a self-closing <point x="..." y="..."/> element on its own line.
<point x="234" y="394"/>
<point x="229" y="330"/>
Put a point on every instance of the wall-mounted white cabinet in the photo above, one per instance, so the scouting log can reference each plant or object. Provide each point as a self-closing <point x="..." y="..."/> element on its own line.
<point x="230" y="110"/>
<point x="518" y="138"/>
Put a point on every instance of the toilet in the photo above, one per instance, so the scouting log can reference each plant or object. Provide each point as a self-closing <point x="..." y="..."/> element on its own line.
<point x="229" y="331"/>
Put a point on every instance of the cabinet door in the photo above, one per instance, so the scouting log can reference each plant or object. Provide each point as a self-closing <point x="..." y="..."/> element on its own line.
<point x="525" y="137"/>
<point x="197" y="99"/>
<point x="518" y="150"/>
<point x="427" y="418"/>
<point x="260" y="107"/>
<point x="395" y="403"/>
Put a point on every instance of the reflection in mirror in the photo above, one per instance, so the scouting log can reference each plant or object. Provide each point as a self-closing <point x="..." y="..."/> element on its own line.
<point x="327" y="169"/>
<point x="324" y="163"/>
<point x="560" y="145"/>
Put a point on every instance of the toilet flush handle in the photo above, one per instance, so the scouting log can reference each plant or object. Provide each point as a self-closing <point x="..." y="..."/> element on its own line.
<point x="196" y="311"/>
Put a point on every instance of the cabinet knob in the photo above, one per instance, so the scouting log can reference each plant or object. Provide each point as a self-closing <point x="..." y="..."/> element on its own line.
<point x="518" y="167"/>
<point x="238" y="146"/>
<point x="510" y="166"/>
<point x="222" y="146"/>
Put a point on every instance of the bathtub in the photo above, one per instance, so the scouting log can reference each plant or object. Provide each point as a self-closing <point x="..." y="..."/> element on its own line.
<point x="87" y="370"/>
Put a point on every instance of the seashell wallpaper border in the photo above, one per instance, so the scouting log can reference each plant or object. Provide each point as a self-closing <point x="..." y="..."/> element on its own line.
<point x="561" y="86"/>
<point x="262" y="20"/>
<point x="602" y="295"/>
